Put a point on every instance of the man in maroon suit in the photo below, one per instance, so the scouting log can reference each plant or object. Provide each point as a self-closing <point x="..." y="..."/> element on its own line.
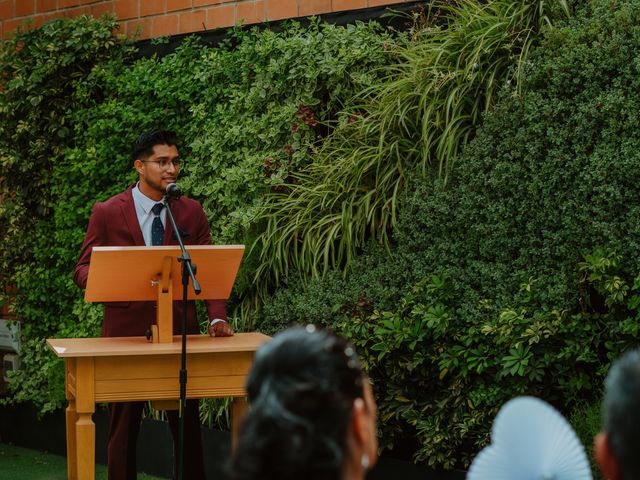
<point x="137" y="217"/>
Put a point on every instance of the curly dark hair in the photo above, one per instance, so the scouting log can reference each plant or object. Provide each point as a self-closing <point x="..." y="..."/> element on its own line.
<point x="301" y="390"/>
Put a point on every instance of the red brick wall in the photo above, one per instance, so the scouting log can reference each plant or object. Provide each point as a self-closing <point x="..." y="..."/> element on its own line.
<point x="169" y="17"/>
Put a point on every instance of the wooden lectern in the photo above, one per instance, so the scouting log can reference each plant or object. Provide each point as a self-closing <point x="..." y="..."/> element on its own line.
<point x="153" y="273"/>
<point x="118" y="369"/>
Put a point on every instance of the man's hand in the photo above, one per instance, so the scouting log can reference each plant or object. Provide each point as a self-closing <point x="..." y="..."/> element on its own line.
<point x="220" y="329"/>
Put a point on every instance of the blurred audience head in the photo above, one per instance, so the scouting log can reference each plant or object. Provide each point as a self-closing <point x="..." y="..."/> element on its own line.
<point x="312" y="414"/>
<point x="617" y="445"/>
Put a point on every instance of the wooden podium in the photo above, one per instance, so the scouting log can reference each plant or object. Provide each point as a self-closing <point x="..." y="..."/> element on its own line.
<point x="118" y="369"/>
<point x="153" y="273"/>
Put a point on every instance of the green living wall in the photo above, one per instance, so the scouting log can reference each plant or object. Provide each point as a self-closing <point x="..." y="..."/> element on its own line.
<point x="517" y="274"/>
<point x="473" y="264"/>
<point x="248" y="112"/>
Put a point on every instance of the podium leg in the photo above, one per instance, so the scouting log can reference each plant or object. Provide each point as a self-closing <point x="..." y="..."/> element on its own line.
<point x="72" y="445"/>
<point x="85" y="428"/>
<point x="239" y="408"/>
<point x="86" y="451"/>
<point x="71" y="417"/>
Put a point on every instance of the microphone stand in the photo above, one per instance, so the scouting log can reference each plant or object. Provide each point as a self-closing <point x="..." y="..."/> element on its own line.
<point x="188" y="271"/>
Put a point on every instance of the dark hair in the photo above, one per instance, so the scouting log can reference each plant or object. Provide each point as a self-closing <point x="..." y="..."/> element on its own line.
<point x="301" y="389"/>
<point x="143" y="146"/>
<point x="621" y="412"/>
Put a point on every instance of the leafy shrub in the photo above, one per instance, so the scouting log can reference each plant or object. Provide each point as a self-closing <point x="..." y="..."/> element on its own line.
<point x="373" y="282"/>
<point x="549" y="177"/>
<point x="40" y="70"/>
<point x="444" y="376"/>
<point x="248" y="112"/>
<point x="267" y="105"/>
<point x="414" y="119"/>
<point x="530" y="297"/>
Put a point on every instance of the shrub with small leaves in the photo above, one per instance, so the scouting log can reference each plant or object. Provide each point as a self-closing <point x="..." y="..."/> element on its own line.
<point x="247" y="112"/>
<point x="40" y="73"/>
<point x="536" y="236"/>
<point x="442" y="378"/>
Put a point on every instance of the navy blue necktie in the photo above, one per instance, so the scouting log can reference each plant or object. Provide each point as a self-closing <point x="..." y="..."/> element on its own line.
<point x="157" y="229"/>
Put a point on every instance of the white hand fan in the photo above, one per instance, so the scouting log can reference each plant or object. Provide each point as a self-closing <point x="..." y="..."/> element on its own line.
<point x="530" y="440"/>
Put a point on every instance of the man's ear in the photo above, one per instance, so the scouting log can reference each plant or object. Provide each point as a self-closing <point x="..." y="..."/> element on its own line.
<point x="137" y="164"/>
<point x="605" y="457"/>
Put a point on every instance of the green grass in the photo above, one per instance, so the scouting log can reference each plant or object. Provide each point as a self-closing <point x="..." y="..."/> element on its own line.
<point x="17" y="463"/>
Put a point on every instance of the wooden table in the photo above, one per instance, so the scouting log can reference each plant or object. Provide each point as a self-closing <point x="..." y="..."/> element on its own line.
<point x="119" y="369"/>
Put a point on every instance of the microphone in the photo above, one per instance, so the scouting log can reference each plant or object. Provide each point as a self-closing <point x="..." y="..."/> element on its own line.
<point x="173" y="191"/>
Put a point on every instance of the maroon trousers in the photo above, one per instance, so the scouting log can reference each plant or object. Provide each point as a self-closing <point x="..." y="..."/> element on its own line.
<point x="124" y="424"/>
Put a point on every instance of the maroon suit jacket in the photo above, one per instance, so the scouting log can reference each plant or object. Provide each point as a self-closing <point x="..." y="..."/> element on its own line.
<point x="114" y="223"/>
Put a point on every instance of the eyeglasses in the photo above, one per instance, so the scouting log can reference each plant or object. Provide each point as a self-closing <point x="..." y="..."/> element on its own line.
<point x="164" y="163"/>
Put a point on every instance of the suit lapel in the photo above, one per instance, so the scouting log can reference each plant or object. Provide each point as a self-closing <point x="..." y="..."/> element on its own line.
<point x="131" y="219"/>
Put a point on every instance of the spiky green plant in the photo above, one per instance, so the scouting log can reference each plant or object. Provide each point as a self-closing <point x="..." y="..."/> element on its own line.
<point x="415" y="120"/>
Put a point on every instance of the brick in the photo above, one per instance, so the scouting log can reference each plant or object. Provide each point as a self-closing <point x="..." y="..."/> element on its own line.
<point x="25" y="8"/>
<point x="193" y="21"/>
<point x="37" y="21"/>
<point x="46" y="5"/>
<point x="53" y="16"/>
<point x="101" y="8"/>
<point x="6" y="9"/>
<point x="126" y="9"/>
<point x="339" y="5"/>
<point x="379" y="3"/>
<point x="222" y="16"/>
<point x="250" y="12"/>
<point x="173" y="5"/>
<point x="314" y="7"/>
<point x="139" y="28"/>
<point x="151" y="7"/>
<point x="69" y="3"/>
<point x="206" y="3"/>
<point x="165" y="25"/>
<point x="76" y="12"/>
<point x="9" y="27"/>
<point x="281" y="9"/>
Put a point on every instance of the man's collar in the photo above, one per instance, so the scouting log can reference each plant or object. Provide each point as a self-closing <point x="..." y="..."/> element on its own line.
<point x="141" y="199"/>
